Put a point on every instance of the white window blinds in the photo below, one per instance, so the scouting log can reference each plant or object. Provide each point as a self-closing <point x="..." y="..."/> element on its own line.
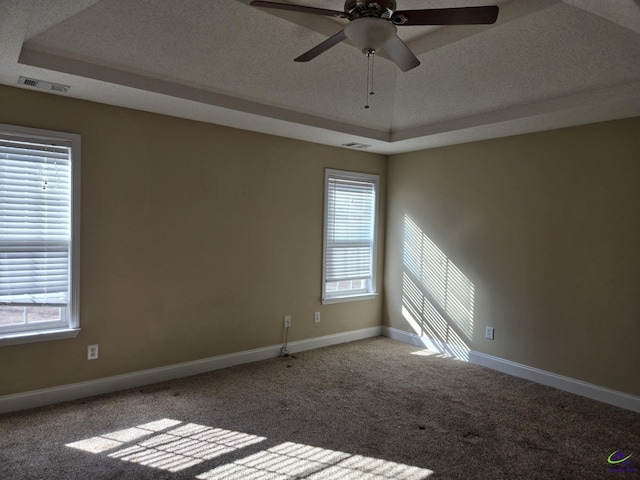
<point x="35" y="222"/>
<point x="349" y="233"/>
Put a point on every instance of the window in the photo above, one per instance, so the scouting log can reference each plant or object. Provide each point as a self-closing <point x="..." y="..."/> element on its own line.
<point x="39" y="233"/>
<point x="349" y="268"/>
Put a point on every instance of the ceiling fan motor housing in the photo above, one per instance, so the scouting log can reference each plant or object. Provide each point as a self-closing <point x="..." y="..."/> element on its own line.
<point x="369" y="8"/>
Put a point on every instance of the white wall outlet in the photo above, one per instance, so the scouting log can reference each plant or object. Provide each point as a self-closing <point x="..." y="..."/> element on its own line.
<point x="316" y="317"/>
<point x="488" y="333"/>
<point x="92" y="352"/>
<point x="287" y="321"/>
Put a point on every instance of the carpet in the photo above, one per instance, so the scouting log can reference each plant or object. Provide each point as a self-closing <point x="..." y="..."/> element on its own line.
<point x="372" y="409"/>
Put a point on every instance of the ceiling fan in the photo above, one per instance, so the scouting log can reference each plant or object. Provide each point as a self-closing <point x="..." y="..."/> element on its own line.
<point x="372" y="25"/>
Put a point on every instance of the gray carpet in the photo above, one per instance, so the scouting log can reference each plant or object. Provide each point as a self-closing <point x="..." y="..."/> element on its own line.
<point x="369" y="409"/>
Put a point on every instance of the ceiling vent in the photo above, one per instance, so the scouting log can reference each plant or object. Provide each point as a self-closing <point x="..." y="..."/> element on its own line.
<point x="32" y="82"/>
<point x="355" y="145"/>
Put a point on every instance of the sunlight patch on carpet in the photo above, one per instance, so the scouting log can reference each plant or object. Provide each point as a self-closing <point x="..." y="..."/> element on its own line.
<point x="432" y="353"/>
<point x="173" y="446"/>
<point x="289" y="461"/>
<point x="160" y="445"/>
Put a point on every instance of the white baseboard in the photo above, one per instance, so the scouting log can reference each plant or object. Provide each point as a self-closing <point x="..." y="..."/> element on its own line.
<point x="568" y="384"/>
<point x="578" y="387"/>
<point x="450" y="350"/>
<point x="336" y="338"/>
<point x="74" y="391"/>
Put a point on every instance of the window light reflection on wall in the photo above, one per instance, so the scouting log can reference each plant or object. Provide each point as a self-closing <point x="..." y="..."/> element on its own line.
<point x="437" y="298"/>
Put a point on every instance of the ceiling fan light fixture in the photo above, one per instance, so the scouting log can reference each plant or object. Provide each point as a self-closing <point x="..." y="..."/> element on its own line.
<point x="370" y="33"/>
<point x="372" y="25"/>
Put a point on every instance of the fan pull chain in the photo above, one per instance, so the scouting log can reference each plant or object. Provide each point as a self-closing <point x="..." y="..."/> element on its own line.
<point x="370" y="64"/>
<point x="366" y="98"/>
<point x="373" y="64"/>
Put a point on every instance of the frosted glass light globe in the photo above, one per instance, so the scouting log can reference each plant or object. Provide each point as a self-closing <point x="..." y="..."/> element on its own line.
<point x="369" y="33"/>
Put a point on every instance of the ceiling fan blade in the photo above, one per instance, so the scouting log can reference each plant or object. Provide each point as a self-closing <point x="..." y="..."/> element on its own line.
<point x="447" y="16"/>
<point x="400" y="54"/>
<point x="321" y="48"/>
<point x="298" y="8"/>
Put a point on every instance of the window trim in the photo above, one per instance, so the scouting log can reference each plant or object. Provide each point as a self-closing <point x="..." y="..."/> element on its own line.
<point x="71" y="330"/>
<point x="358" y="176"/>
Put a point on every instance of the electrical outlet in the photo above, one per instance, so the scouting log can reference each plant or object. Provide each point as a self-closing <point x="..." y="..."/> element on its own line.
<point x="92" y="352"/>
<point x="316" y="317"/>
<point x="488" y="333"/>
<point x="287" y="321"/>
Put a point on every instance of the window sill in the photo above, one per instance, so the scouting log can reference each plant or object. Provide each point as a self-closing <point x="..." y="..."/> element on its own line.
<point x="351" y="298"/>
<point x="38" y="336"/>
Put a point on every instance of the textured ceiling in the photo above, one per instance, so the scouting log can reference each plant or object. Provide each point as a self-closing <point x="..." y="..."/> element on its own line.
<point x="544" y="64"/>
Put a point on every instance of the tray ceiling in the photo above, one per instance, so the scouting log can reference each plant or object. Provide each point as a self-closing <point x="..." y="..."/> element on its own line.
<point x="544" y="64"/>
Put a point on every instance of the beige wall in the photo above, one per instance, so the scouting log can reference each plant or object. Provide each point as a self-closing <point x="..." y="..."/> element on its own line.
<point x="546" y="227"/>
<point x="196" y="239"/>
